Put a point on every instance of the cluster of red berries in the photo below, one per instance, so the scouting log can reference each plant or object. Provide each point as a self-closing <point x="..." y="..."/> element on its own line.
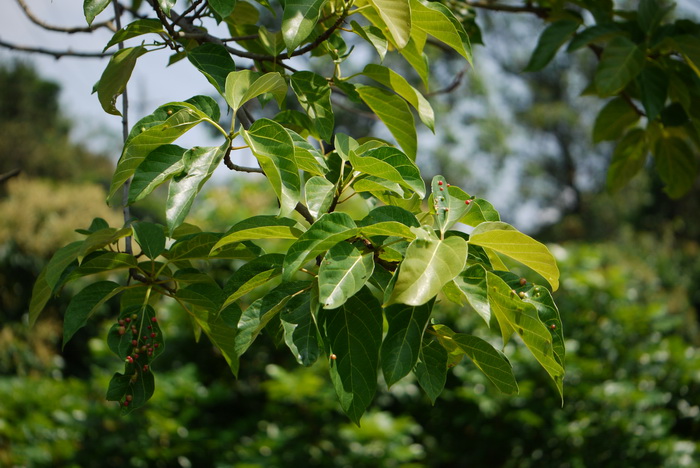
<point x="144" y="346"/>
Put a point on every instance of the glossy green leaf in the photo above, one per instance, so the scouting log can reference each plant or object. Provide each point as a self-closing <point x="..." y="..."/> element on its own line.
<point x="522" y="317"/>
<point x="214" y="61"/>
<point x="273" y="147"/>
<point x="387" y="228"/>
<point x="402" y="344"/>
<point x="242" y="86"/>
<point x="252" y="275"/>
<point x="159" y="166"/>
<point x="613" y="120"/>
<point x="396" y="115"/>
<point x="480" y="211"/>
<point x="621" y="62"/>
<point x="391" y="164"/>
<point x="431" y="369"/>
<point x="84" y="304"/>
<point x="472" y="284"/>
<point x="199" y="246"/>
<point x="327" y="231"/>
<point x="428" y="265"/>
<point x="628" y="159"/>
<point x="60" y="261"/>
<point x="135" y="29"/>
<point x="354" y="334"/>
<point x="552" y="38"/>
<point x="390" y="214"/>
<point x="417" y="59"/>
<point x="92" y="8"/>
<point x="101" y="262"/>
<point x="653" y="86"/>
<point x="298" y="20"/>
<point x="222" y="7"/>
<point x="319" y="193"/>
<point x="677" y="165"/>
<point x="300" y="331"/>
<point x="200" y="163"/>
<point x="437" y="20"/>
<point x="101" y="238"/>
<point x="505" y="239"/>
<point x="115" y="76"/>
<point x="343" y="272"/>
<point x="307" y="157"/>
<point x="396" y="15"/>
<point x="221" y="330"/>
<point x="374" y="36"/>
<point x="314" y="95"/>
<point x="400" y="86"/>
<point x="150" y="237"/>
<point x="206" y="296"/>
<point x="260" y="227"/>
<point x="449" y="203"/>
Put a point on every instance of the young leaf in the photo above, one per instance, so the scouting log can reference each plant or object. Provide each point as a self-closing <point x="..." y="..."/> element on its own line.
<point x="621" y="62"/>
<point x="159" y="166"/>
<point x="354" y="335"/>
<point x="214" y="61"/>
<point x="314" y="95"/>
<point x="150" y="237"/>
<point x="327" y="231"/>
<point x="431" y="369"/>
<point x="401" y="346"/>
<point x="437" y="20"/>
<point x="298" y="20"/>
<point x="429" y="264"/>
<point x="374" y="36"/>
<point x="394" y="112"/>
<point x="200" y="163"/>
<point x="319" y="193"/>
<point x="92" y="8"/>
<point x="260" y="227"/>
<point x="396" y="14"/>
<point x="273" y="147"/>
<point x="84" y="304"/>
<point x="549" y="43"/>
<point x="343" y="272"/>
<point x="242" y="86"/>
<point x="115" y="76"/>
<point x="613" y="120"/>
<point x="300" y="330"/>
<point x="505" y="239"/>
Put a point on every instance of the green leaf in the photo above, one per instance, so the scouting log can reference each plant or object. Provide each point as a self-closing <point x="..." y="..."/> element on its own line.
<point x="273" y="147"/>
<point x="84" y="304"/>
<point x="387" y="228"/>
<point x="314" y="95"/>
<point x="522" y="317"/>
<point x="199" y="246"/>
<point x="343" y="272"/>
<point x="621" y="62"/>
<point x="390" y="214"/>
<point x="400" y="86"/>
<point x="428" y="265"/>
<point x="689" y="46"/>
<point x="374" y="36"/>
<point x="650" y="14"/>
<point x="221" y="330"/>
<point x="396" y="14"/>
<point x="308" y="158"/>
<point x="260" y="227"/>
<point x="437" y="20"/>
<point x="135" y="29"/>
<point x="166" y="5"/>
<point x="60" y="261"/>
<point x="417" y="59"/>
<point x="200" y="163"/>
<point x="449" y="203"/>
<point x="92" y="8"/>
<point x="206" y="296"/>
<point x="222" y="7"/>
<point x="402" y="345"/>
<point x="549" y="43"/>
<point x="327" y="231"/>
<point x="480" y="211"/>
<point x="100" y="239"/>
<point x="101" y="262"/>
<point x="677" y="165"/>
<point x="396" y="115"/>
<point x="628" y="159"/>
<point x="431" y="369"/>
<point x="390" y="164"/>
<point x="472" y="284"/>
<point x="242" y="86"/>
<point x="354" y="335"/>
<point x="41" y="293"/>
<point x="319" y="193"/>
<point x="505" y="239"/>
<point x="594" y="34"/>
<point x="299" y="20"/>
<point x="300" y="330"/>
<point x="159" y="166"/>
<point x="115" y="76"/>
<point x="252" y="275"/>
<point x="653" y="86"/>
<point x="214" y="61"/>
<point x="150" y="237"/>
<point x="613" y="120"/>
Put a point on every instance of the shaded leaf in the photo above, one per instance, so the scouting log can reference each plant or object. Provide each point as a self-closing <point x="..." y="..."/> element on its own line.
<point x="343" y="272"/>
<point x="552" y="38"/>
<point x="84" y="304"/>
<point x="613" y="120"/>
<point x="431" y="369"/>
<point x="628" y="159"/>
<point x="472" y="284"/>
<point x="221" y="330"/>
<point x="214" y="61"/>
<point x="260" y="227"/>
<point x="653" y="86"/>
<point x="115" y="76"/>
<point x="314" y="95"/>
<point x="300" y="330"/>
<point x="150" y="238"/>
<point x="252" y="275"/>
<point x="677" y="165"/>
<point x="621" y="62"/>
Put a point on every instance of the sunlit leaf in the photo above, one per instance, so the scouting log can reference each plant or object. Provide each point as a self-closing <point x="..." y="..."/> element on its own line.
<point x="343" y="272"/>
<point x="396" y="115"/>
<point x="215" y="63"/>
<point x="115" y="76"/>
<point x="300" y="330"/>
<point x="260" y="227"/>
<point x="298" y="20"/>
<point x="314" y="95"/>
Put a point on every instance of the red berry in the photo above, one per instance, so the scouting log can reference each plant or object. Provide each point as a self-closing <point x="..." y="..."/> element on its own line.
<point x="121" y="322"/>
<point x="333" y="356"/>
<point x="121" y="330"/>
<point x="156" y="345"/>
<point x="466" y="202"/>
<point x="449" y="185"/>
<point x="523" y="281"/>
<point x="126" y="403"/>
<point x="439" y="182"/>
<point x="129" y="397"/>
<point x="129" y="359"/>
<point x="145" y="368"/>
<point x="153" y="335"/>
<point x="553" y="326"/>
<point x="149" y="327"/>
<point x="134" y="342"/>
<point x="127" y="320"/>
<point x="153" y="319"/>
<point x="441" y="189"/>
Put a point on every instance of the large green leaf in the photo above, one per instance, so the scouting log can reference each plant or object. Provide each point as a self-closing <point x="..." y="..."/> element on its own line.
<point x="549" y="43"/>
<point x="199" y="246"/>
<point x="480" y="211"/>
<point x="92" y="8"/>
<point x="135" y="29"/>
<point x="308" y="158"/>
<point x="327" y="231"/>
<point x="252" y="275"/>
<point x="319" y="193"/>
<point x="150" y="238"/>
<point x="84" y="304"/>
<point x="431" y="369"/>
<point x="260" y="227"/>
<point x="437" y="20"/>
<point x="215" y="63"/>
<point x="159" y="166"/>
<point x="449" y="203"/>
<point x="200" y="163"/>
<point x="343" y="272"/>
<point x="101" y="262"/>
<point x="388" y="228"/>
<point x="522" y="317"/>
<point x="402" y="344"/>
<point x="242" y="86"/>
<point x="396" y="15"/>
<point x="653" y="86"/>
<point x="298" y="20"/>
<point x="628" y="159"/>
<point x="221" y="330"/>
<point x="689" y="46"/>
<point x="428" y="265"/>
<point x="472" y="284"/>
<point x="413" y="54"/>
<point x="41" y="293"/>
<point x="115" y="76"/>
<point x="505" y="239"/>
<point x="314" y="95"/>
<point x="207" y="296"/>
<point x="373" y="35"/>
<point x="677" y="165"/>
<point x="613" y="120"/>
<point x="60" y="261"/>
<point x="621" y="62"/>
<point x="400" y="86"/>
<point x="390" y="164"/>
<point x="222" y="7"/>
<point x="300" y="330"/>
<point x="594" y="34"/>
<point x="101" y="238"/>
<point x="354" y="334"/>
<point x="273" y="147"/>
<point x="396" y="115"/>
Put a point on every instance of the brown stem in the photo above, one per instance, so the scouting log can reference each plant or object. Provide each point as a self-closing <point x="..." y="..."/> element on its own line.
<point x="55" y="53"/>
<point x="28" y="13"/>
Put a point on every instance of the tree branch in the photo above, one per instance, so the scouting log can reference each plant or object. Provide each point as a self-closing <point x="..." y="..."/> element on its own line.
<point x="87" y="29"/>
<point x="456" y="81"/>
<point x="9" y="175"/>
<point x="55" y="53"/>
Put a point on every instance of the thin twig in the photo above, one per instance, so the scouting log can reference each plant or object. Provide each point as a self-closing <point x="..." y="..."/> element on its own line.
<point x="55" y="53"/>
<point x="542" y="12"/>
<point x="86" y="29"/>
<point x="451" y="87"/>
